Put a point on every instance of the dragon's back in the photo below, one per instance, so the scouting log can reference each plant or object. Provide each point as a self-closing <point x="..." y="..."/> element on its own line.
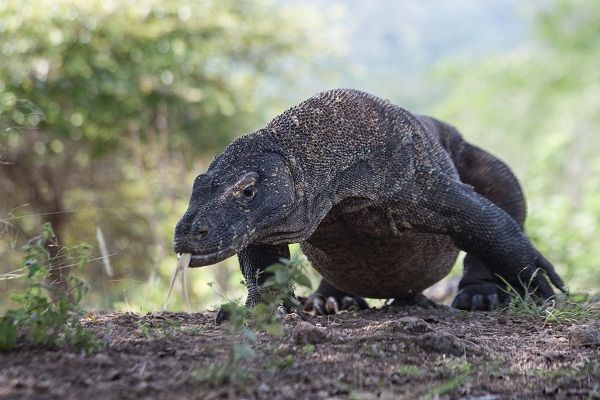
<point x="355" y="146"/>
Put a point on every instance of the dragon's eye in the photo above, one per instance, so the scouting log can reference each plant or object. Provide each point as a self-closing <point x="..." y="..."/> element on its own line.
<point x="199" y="179"/>
<point x="248" y="192"/>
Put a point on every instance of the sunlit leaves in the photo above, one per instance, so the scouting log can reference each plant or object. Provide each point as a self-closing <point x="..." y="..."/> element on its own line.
<point x="97" y="68"/>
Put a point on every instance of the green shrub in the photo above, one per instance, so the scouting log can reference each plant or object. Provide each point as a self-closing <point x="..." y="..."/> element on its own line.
<point x="43" y="320"/>
<point x="277" y="291"/>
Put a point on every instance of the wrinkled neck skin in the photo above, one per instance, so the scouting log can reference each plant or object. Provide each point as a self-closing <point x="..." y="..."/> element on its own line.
<point x="311" y="205"/>
<point x="308" y="212"/>
<point x="318" y="193"/>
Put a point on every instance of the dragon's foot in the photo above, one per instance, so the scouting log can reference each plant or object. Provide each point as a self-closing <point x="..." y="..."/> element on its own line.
<point x="419" y="300"/>
<point x="478" y="297"/>
<point x="321" y="304"/>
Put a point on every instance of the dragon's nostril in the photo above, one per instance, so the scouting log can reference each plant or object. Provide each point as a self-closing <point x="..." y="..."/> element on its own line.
<point x="199" y="230"/>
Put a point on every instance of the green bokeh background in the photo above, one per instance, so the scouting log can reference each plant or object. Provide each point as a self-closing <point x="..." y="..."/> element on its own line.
<point x="108" y="110"/>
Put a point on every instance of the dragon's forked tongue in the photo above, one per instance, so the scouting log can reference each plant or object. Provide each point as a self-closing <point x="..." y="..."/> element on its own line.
<point x="183" y="260"/>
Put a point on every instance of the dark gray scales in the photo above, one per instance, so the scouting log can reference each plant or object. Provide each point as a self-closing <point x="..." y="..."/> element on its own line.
<point x="379" y="199"/>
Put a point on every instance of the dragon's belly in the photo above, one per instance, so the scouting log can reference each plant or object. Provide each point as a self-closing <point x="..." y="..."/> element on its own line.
<point x="370" y="262"/>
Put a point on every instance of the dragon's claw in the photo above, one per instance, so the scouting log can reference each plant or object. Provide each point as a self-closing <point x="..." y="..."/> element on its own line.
<point x="319" y="304"/>
<point x="477" y="297"/>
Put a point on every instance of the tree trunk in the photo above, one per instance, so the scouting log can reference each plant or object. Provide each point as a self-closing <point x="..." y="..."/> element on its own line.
<point x="42" y="188"/>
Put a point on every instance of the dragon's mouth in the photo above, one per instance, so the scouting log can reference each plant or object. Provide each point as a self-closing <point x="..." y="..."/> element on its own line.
<point x="202" y="260"/>
<point x="201" y="257"/>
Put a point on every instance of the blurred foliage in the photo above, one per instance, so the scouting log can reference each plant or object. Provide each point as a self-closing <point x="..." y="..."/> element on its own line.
<point x="538" y="107"/>
<point x="101" y="70"/>
<point x="109" y="109"/>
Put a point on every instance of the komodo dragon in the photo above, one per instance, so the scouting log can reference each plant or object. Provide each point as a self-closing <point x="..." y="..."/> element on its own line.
<point x="379" y="199"/>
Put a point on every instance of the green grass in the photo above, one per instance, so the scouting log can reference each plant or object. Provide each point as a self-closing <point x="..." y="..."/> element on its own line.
<point x="455" y="371"/>
<point x="215" y="375"/>
<point x="283" y="363"/>
<point x="193" y="330"/>
<point x="560" y="310"/>
<point x="409" y="371"/>
<point x="309" y="349"/>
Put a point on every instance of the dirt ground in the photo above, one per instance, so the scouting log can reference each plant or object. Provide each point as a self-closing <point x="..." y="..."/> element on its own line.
<point x="375" y="354"/>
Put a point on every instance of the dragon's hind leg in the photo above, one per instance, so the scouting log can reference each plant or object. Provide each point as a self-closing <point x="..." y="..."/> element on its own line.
<point x="491" y="178"/>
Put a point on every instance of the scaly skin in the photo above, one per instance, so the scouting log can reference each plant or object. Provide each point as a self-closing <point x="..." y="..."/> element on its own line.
<point x="380" y="200"/>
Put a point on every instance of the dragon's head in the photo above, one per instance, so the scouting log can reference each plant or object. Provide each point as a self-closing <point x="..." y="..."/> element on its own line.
<point x="245" y="196"/>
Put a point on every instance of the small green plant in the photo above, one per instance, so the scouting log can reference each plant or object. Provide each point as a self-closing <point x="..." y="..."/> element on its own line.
<point x="43" y="321"/>
<point x="559" y="310"/>
<point x="458" y="371"/>
<point x="283" y="278"/>
<point x="276" y="291"/>
<point x="446" y="386"/>
<point x="193" y="330"/>
<point x="169" y="326"/>
<point x="144" y="329"/>
<point x="164" y="328"/>
<point x="216" y="375"/>
<point x="456" y="365"/>
<point x="409" y="371"/>
<point x="552" y="374"/>
<point x="309" y="349"/>
<point x="283" y="363"/>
